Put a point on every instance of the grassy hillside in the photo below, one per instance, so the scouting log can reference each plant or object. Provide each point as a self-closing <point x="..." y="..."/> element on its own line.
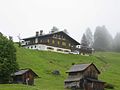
<point x="43" y="63"/>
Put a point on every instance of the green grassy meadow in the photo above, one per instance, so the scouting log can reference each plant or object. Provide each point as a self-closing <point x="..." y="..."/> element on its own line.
<point x="44" y="62"/>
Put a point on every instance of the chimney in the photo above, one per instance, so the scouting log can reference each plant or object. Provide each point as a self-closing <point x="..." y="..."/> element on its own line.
<point x="41" y="32"/>
<point x="37" y="33"/>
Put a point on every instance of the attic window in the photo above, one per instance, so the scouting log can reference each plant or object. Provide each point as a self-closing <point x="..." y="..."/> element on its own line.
<point x="63" y="37"/>
<point x="59" y="36"/>
<point x="55" y="36"/>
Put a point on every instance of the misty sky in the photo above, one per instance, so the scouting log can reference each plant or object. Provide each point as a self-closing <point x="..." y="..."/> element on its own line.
<point x="25" y="17"/>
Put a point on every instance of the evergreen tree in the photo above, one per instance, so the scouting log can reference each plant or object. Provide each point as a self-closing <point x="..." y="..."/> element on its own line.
<point x="54" y="29"/>
<point x="84" y="42"/>
<point x="8" y="62"/>
<point x="102" y="39"/>
<point x="65" y="31"/>
<point x="116" y="43"/>
<point x="89" y="37"/>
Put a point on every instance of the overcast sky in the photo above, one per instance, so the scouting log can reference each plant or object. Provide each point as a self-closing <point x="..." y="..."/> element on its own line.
<point x="25" y="17"/>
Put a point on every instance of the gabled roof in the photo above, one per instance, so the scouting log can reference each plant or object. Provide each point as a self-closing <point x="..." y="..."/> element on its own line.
<point x="50" y="34"/>
<point x="81" y="67"/>
<point x="20" y="72"/>
<point x="23" y="71"/>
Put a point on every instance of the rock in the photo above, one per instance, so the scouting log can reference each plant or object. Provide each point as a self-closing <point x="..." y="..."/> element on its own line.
<point x="56" y="72"/>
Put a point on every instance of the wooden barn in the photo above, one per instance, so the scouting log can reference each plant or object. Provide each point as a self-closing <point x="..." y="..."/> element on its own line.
<point x="84" y="76"/>
<point x="24" y="76"/>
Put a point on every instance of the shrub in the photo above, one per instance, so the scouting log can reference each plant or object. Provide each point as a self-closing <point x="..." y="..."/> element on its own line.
<point x="109" y="86"/>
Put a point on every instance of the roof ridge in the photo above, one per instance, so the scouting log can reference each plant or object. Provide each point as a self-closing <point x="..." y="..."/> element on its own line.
<point x="84" y="64"/>
<point x="79" y="67"/>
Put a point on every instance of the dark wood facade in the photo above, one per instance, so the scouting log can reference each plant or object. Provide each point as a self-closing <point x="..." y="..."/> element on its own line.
<point x="25" y="76"/>
<point x="58" y="39"/>
<point x="84" y="76"/>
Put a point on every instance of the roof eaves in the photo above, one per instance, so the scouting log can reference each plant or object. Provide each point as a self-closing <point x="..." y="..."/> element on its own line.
<point x="94" y="80"/>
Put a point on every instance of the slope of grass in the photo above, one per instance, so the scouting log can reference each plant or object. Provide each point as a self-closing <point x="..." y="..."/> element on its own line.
<point x="43" y="63"/>
<point x="111" y="74"/>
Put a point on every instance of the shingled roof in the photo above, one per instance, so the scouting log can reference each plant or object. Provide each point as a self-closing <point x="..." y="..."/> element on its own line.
<point x="23" y="71"/>
<point x="20" y="72"/>
<point x="81" y="67"/>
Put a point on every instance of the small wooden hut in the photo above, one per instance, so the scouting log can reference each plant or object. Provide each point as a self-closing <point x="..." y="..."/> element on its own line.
<point x="24" y="76"/>
<point x="84" y="76"/>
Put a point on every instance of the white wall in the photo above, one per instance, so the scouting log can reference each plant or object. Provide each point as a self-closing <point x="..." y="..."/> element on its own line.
<point x="45" y="47"/>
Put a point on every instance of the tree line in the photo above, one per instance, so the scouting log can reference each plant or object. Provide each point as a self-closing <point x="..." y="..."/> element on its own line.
<point x="101" y="40"/>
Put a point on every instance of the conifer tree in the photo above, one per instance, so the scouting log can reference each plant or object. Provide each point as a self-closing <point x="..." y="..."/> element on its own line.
<point x="84" y="42"/>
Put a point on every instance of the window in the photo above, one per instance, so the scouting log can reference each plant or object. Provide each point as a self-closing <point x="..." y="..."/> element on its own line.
<point x="41" y="41"/>
<point x="63" y="38"/>
<point x="69" y="45"/>
<point x="36" y="40"/>
<point x="59" y="50"/>
<point x="56" y="36"/>
<point x="59" y="36"/>
<point x="48" y="41"/>
<point x="53" y="41"/>
<point x="58" y="42"/>
<point x="50" y="48"/>
<point x="35" y="46"/>
<point x="53" y="36"/>
<point x="66" y="51"/>
<point x="31" y="46"/>
<point x="63" y="43"/>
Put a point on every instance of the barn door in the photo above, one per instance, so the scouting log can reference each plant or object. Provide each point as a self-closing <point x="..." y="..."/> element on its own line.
<point x="31" y="79"/>
<point x="88" y="86"/>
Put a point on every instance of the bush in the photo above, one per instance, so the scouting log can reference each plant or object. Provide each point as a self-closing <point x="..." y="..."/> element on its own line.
<point x="109" y="86"/>
<point x="73" y="63"/>
<point x="8" y="64"/>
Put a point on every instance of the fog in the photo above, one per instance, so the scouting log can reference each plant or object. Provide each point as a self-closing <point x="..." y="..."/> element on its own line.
<point x="25" y="17"/>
